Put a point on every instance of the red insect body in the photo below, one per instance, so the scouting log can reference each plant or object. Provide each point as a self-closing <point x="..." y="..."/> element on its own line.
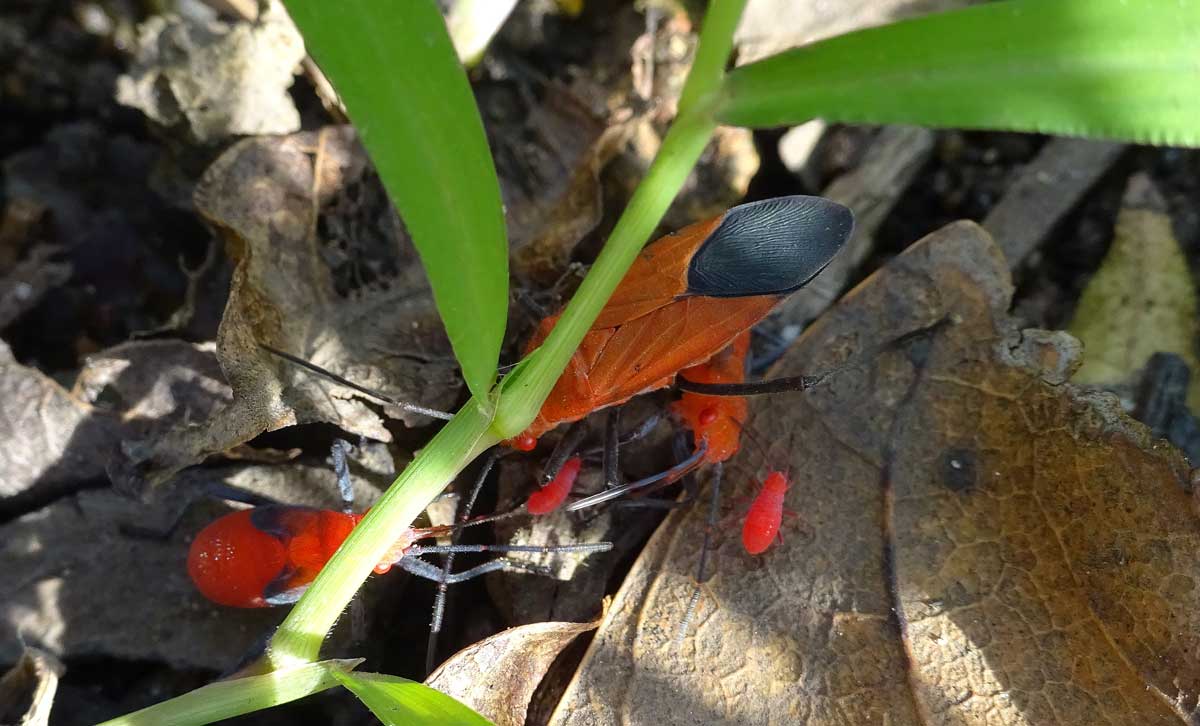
<point x="259" y="557"/>
<point x="647" y="333"/>
<point x="717" y="419"/>
<point x="550" y="497"/>
<point x="765" y="515"/>
<point x="686" y="297"/>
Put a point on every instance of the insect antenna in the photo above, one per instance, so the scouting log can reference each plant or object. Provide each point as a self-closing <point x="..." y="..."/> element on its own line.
<point x="563" y="450"/>
<point x="805" y="382"/>
<point x="439" y="600"/>
<point x="318" y="370"/>
<point x="667" y="476"/>
<point x="612" y="449"/>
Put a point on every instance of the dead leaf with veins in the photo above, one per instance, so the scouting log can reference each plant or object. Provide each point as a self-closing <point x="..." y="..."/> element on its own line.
<point x="324" y="272"/>
<point x="499" y="675"/>
<point x="979" y="542"/>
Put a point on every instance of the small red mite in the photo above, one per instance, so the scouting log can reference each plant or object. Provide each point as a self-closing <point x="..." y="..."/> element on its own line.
<point x="766" y="514"/>
<point x="550" y="497"/>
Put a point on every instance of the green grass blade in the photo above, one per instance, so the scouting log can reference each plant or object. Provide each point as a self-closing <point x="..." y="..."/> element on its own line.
<point x="401" y="702"/>
<point x="226" y="699"/>
<point x="299" y="637"/>
<point x="397" y="72"/>
<point x="1105" y="68"/>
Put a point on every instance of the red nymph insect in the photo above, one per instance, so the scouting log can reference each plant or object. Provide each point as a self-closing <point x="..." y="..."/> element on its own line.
<point x="761" y="527"/>
<point x="266" y="555"/>
<point x="550" y="497"/>
<point x="269" y="555"/>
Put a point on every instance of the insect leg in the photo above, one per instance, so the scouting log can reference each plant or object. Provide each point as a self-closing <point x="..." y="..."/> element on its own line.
<point x="439" y="599"/>
<point x="680" y="445"/>
<point x="421" y="568"/>
<point x="805" y="382"/>
<point x="713" y="509"/>
<point x="589" y="548"/>
<point x="612" y="448"/>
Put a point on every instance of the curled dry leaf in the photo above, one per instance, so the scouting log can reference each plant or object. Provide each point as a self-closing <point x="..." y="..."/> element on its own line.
<point x="215" y="79"/>
<point x="498" y="676"/>
<point x="978" y="542"/>
<point x="324" y="272"/>
<point x="27" y="689"/>
<point x="1142" y="300"/>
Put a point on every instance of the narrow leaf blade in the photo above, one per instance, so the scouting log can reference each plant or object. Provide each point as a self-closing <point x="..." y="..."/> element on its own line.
<point x="1104" y="68"/>
<point x="399" y="701"/>
<point x="396" y="70"/>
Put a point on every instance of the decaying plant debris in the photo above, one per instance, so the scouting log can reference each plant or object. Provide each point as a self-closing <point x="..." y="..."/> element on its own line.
<point x="980" y="539"/>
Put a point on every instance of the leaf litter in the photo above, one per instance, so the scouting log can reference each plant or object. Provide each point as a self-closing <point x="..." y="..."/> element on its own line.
<point x="1142" y="300"/>
<point x="324" y="272"/>
<point x="980" y="542"/>
<point x="498" y="675"/>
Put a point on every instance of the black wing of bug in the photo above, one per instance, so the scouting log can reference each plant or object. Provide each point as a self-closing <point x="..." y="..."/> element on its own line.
<point x="770" y="247"/>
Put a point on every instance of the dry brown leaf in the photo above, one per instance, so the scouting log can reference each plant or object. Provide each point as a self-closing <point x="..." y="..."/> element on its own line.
<point x="325" y="272"/>
<point x="979" y="543"/>
<point x="1142" y="300"/>
<point x="216" y="79"/>
<point x="152" y="384"/>
<point x="565" y="213"/>
<point x="498" y="676"/>
<point x="52" y="438"/>
<point x="27" y="689"/>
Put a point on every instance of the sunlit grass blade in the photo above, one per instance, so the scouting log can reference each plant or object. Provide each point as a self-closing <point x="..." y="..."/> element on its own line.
<point x="1105" y="68"/>
<point x="226" y="699"/>
<point x="401" y="702"/>
<point x="397" y="72"/>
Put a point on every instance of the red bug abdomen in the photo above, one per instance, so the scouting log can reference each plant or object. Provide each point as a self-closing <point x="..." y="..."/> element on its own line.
<point x="550" y="497"/>
<point x="231" y="561"/>
<point x="765" y="515"/>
